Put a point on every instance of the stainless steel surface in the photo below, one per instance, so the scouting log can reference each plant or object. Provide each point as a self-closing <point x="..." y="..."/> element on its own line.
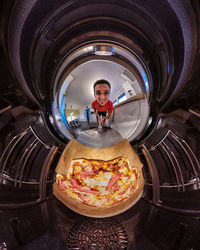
<point x="154" y="174"/>
<point x="173" y="157"/>
<point x="45" y="170"/>
<point x="188" y="148"/>
<point x="24" y="158"/>
<point x="99" y="138"/>
<point x="167" y="152"/>
<point x="19" y="137"/>
<point x="130" y="118"/>
<point x="55" y="40"/>
<point x="188" y="156"/>
<point x="75" y="85"/>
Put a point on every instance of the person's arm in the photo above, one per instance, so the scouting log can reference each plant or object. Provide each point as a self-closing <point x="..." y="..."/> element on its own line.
<point x="99" y="118"/>
<point x="108" y="116"/>
<point x="96" y="113"/>
<point x="110" y="109"/>
<point x="95" y="110"/>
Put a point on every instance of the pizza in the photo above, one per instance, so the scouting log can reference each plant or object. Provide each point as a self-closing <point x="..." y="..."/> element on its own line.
<point x="99" y="183"/>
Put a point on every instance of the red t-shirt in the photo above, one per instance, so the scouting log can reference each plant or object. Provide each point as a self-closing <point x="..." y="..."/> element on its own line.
<point x="107" y="107"/>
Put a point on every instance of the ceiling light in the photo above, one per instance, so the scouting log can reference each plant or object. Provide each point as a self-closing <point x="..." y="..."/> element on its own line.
<point x="103" y="50"/>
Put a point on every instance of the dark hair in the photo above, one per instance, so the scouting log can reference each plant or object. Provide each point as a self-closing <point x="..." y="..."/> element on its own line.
<point x="101" y="81"/>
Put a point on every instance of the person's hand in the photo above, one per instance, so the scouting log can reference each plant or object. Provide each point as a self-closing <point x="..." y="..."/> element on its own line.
<point x="100" y="119"/>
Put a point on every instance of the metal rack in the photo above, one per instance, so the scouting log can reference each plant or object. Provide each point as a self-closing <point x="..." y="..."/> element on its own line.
<point x="173" y="167"/>
<point x="25" y="165"/>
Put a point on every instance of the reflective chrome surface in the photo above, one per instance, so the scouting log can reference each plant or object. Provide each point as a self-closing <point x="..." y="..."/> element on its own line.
<point x="73" y="92"/>
<point x="40" y="46"/>
<point x="99" y="137"/>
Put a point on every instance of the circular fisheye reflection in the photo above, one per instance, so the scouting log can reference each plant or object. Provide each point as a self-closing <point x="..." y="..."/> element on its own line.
<point x="101" y="102"/>
<point x="103" y="116"/>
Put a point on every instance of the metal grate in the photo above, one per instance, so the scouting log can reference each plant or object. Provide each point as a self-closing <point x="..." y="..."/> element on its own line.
<point x="97" y="234"/>
<point x="173" y="173"/>
<point x="26" y="167"/>
<point x="176" y="163"/>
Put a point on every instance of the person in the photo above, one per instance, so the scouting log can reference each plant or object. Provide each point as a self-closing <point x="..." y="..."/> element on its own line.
<point x="102" y="106"/>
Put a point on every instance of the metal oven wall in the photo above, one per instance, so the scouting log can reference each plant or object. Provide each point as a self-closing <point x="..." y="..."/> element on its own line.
<point x="167" y="216"/>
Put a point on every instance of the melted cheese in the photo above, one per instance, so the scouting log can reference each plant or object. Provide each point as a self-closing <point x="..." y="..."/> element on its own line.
<point x="121" y="189"/>
<point x="98" y="180"/>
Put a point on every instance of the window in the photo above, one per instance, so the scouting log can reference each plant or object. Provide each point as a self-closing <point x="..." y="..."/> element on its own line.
<point x="122" y="97"/>
<point x="115" y="102"/>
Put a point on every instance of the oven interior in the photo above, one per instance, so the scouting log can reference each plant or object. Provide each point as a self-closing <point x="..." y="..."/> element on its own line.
<point x="44" y="49"/>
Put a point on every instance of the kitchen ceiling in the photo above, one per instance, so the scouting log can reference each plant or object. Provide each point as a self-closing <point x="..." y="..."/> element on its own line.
<point x="80" y="90"/>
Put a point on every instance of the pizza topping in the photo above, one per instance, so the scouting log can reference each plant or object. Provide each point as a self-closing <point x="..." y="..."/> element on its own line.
<point x="62" y="185"/>
<point x="100" y="180"/>
<point x="99" y="183"/>
<point x="85" y="174"/>
<point x="112" y="181"/>
<point x="115" y="187"/>
<point x="124" y="191"/>
<point x="83" y="198"/>
<point x="80" y="188"/>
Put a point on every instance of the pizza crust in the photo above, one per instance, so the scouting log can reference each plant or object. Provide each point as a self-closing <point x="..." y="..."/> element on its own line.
<point x="75" y="151"/>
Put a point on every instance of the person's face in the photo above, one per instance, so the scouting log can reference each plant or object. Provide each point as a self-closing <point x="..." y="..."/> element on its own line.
<point x="101" y="93"/>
